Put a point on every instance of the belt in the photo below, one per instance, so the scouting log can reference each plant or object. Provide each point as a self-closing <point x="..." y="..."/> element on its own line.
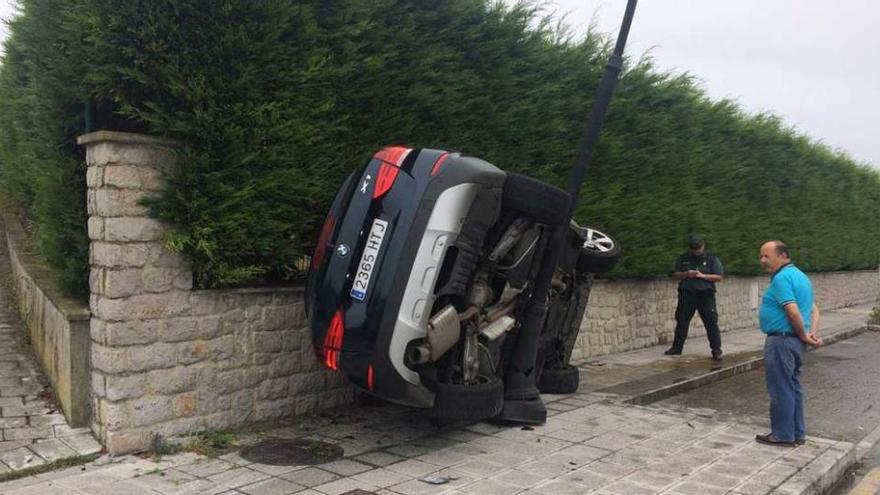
<point x="779" y="334"/>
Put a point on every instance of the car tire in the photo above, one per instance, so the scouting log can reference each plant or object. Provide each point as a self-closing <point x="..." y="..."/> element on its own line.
<point x="458" y="402"/>
<point x="599" y="251"/>
<point x="564" y="380"/>
<point x="542" y="202"/>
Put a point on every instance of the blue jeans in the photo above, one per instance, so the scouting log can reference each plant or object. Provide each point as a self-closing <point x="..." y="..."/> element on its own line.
<point x="782" y="371"/>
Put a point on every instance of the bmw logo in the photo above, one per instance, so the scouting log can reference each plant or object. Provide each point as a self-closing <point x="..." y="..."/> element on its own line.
<point x="342" y="250"/>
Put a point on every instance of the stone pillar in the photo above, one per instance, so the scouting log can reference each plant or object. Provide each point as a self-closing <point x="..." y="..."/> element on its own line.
<point x="167" y="359"/>
<point x="135" y="283"/>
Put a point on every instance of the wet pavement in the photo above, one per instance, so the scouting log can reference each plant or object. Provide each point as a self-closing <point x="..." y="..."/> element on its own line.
<point x="614" y="436"/>
<point x="645" y="376"/>
<point x="842" y="396"/>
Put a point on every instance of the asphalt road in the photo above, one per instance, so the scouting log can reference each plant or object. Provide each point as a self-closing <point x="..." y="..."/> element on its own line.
<point x="841" y="384"/>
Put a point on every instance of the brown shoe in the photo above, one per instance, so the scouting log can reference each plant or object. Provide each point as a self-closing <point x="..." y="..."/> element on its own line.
<point x="769" y="440"/>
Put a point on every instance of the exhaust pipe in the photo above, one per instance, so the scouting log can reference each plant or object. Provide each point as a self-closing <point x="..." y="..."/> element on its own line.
<point x="444" y="331"/>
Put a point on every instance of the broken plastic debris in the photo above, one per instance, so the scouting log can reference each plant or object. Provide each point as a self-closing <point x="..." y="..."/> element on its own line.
<point x="434" y="479"/>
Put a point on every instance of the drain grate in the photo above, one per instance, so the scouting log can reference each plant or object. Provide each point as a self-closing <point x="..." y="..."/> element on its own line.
<point x="297" y="452"/>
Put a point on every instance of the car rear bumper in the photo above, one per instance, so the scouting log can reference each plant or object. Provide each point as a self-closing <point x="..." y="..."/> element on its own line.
<point x="425" y="209"/>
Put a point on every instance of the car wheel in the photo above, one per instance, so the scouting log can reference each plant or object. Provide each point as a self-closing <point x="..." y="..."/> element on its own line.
<point x="564" y="380"/>
<point x="599" y="252"/>
<point x="537" y="200"/>
<point x="456" y="402"/>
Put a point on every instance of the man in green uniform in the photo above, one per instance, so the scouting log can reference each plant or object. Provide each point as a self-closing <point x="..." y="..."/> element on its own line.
<point x="697" y="271"/>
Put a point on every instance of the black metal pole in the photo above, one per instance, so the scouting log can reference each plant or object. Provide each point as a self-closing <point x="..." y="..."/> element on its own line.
<point x="88" y="116"/>
<point x="522" y="401"/>
<point x="600" y="108"/>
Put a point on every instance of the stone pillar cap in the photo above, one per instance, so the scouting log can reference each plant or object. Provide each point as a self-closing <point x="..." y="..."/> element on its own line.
<point x="124" y="137"/>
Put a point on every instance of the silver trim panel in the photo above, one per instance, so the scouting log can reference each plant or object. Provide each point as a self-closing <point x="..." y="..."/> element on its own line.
<point x="443" y="228"/>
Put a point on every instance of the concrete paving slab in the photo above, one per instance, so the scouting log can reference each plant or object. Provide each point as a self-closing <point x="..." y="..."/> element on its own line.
<point x="21" y="458"/>
<point x="52" y="449"/>
<point x="310" y="476"/>
<point x="273" y="486"/>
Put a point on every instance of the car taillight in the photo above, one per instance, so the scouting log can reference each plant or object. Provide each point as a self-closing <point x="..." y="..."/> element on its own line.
<point x="333" y="342"/>
<point x="391" y="159"/>
<point x="323" y="240"/>
<point x="370" y="378"/>
<point x="439" y="163"/>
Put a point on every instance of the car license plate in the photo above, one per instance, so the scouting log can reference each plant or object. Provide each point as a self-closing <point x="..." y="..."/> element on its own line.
<point x="368" y="259"/>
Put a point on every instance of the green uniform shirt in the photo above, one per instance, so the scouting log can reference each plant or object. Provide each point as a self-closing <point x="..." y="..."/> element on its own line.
<point x="706" y="263"/>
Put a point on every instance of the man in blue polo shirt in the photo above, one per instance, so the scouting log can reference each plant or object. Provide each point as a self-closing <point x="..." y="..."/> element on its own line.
<point x="790" y="320"/>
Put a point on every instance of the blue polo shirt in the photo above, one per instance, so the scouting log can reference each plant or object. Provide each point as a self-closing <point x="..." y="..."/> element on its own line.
<point x="787" y="285"/>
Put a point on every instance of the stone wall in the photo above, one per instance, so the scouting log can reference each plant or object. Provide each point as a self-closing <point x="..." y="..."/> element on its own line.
<point x="624" y="315"/>
<point x="168" y="359"/>
<point x="842" y="289"/>
<point x="57" y="326"/>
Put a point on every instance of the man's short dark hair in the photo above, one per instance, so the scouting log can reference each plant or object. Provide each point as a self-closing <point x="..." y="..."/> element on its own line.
<point x="781" y="249"/>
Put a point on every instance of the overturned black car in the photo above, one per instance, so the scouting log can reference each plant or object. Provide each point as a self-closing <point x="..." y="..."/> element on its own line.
<point x="420" y="277"/>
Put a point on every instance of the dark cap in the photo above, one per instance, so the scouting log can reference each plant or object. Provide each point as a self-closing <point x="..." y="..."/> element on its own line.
<point x="695" y="241"/>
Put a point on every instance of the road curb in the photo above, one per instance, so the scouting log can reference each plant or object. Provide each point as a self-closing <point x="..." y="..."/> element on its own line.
<point x="822" y="473"/>
<point x="867" y="443"/>
<point x="826" y="471"/>
<point x="658" y="394"/>
<point x="844" y="334"/>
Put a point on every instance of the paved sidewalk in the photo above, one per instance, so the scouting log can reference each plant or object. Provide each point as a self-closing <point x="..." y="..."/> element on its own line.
<point x="595" y="441"/>
<point x="33" y="429"/>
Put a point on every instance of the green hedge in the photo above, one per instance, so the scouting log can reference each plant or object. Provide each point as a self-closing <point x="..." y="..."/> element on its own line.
<point x="41" y="166"/>
<point x="277" y="100"/>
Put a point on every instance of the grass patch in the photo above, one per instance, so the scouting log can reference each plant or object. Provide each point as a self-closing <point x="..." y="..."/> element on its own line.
<point x="874" y="317"/>
<point x="51" y="466"/>
<point x="210" y="443"/>
<point x="214" y="443"/>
